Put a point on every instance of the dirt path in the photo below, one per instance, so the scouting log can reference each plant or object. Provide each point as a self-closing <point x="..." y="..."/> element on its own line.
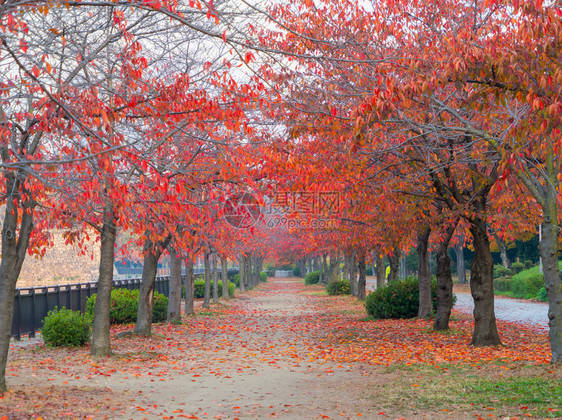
<point x="248" y="358"/>
<point x="283" y="350"/>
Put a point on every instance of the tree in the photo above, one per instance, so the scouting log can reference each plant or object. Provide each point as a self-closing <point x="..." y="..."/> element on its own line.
<point x="152" y="253"/>
<point x="174" y="298"/>
<point x="424" y="275"/>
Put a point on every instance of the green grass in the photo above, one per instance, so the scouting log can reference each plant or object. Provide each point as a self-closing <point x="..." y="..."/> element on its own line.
<point x="317" y="293"/>
<point x="469" y="391"/>
<point x="538" y="394"/>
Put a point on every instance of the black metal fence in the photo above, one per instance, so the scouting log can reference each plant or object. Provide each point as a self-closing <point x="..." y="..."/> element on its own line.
<point x="33" y="303"/>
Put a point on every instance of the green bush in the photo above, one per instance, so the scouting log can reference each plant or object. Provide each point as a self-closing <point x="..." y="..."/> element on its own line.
<point x="528" y="264"/>
<point x="541" y="295"/>
<point x="231" y="288"/>
<point x="312" y="278"/>
<point x="125" y="306"/>
<point x="503" y="284"/>
<point x="63" y="327"/>
<point x="160" y="308"/>
<point x="399" y="299"/>
<point x="517" y="267"/>
<point x="296" y="272"/>
<point x="338" y="287"/>
<point x="263" y="276"/>
<point x="527" y="285"/>
<point x="501" y="271"/>
<point x="369" y="270"/>
<point x="200" y="288"/>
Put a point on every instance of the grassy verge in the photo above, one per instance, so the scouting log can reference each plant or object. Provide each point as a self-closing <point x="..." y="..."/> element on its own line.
<point x="483" y="390"/>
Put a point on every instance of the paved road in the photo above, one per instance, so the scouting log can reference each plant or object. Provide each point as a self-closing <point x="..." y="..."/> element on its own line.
<point x="507" y="309"/>
<point x="515" y="310"/>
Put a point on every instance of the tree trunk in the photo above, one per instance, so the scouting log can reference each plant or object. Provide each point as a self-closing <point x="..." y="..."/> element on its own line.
<point x="334" y="268"/>
<point x="255" y="274"/>
<point x="482" y="287"/>
<point x="189" y="286"/>
<point x="315" y="264"/>
<point x="14" y="248"/>
<point x="461" y="269"/>
<point x="224" y="277"/>
<point x="553" y="283"/>
<point x="353" y="273"/>
<point x="546" y="195"/>
<point x="444" y="282"/>
<point x="174" y="299"/>
<point x="373" y="264"/>
<point x="152" y="254"/>
<point x="345" y="271"/>
<point x="325" y="274"/>
<point x="503" y="250"/>
<point x="394" y="262"/>
<point x="207" y="295"/>
<point x="241" y="273"/>
<point x="247" y="271"/>
<point x="424" y="275"/>
<point x="301" y="264"/>
<point x="101" y="344"/>
<point x="362" y="284"/>
<point x="258" y="265"/>
<point x="380" y="271"/>
<point x="215" y="276"/>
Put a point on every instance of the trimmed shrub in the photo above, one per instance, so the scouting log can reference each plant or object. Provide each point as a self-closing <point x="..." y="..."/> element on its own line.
<point x="503" y="284"/>
<point x="338" y="287"/>
<point x="399" y="299"/>
<point x="64" y="327"/>
<point x="517" y="267"/>
<point x="527" y="285"/>
<point x="296" y="272"/>
<point x="528" y="264"/>
<point x="125" y="306"/>
<point x="231" y="288"/>
<point x="160" y="309"/>
<point x="200" y="288"/>
<point x="541" y="295"/>
<point x="501" y="271"/>
<point x="369" y="270"/>
<point x="263" y="276"/>
<point x="312" y="278"/>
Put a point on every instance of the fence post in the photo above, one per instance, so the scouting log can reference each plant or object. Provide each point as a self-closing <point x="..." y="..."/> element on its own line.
<point x="33" y="314"/>
<point x="17" y="317"/>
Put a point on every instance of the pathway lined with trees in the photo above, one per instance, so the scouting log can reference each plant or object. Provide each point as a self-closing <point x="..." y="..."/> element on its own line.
<point x="281" y="350"/>
<point x="328" y="136"/>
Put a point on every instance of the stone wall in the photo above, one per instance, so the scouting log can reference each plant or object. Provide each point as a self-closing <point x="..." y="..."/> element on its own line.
<point x="60" y="265"/>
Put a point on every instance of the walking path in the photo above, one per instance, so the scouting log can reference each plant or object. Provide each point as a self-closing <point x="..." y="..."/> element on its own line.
<point x="507" y="309"/>
<point x="282" y="350"/>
